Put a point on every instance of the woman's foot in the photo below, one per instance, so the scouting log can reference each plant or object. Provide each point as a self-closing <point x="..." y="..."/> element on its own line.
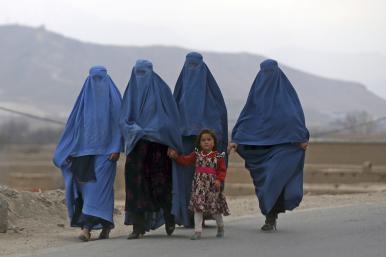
<point x="135" y="235"/>
<point x="220" y="232"/>
<point x="268" y="227"/>
<point x="170" y="227"/>
<point x="196" y="236"/>
<point x="105" y="234"/>
<point x="85" y="235"/>
<point x="270" y="223"/>
<point x="170" y="224"/>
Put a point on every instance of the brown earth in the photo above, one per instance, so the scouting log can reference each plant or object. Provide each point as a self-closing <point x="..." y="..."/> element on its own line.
<point x="334" y="165"/>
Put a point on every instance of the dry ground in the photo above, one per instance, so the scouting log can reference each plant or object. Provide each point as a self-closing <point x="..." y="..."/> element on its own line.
<point x="38" y="220"/>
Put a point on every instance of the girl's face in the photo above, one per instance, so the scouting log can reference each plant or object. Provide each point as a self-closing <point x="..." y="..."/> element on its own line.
<point x="206" y="142"/>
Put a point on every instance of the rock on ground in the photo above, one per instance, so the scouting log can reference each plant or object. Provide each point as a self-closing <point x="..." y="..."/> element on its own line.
<point x="3" y="215"/>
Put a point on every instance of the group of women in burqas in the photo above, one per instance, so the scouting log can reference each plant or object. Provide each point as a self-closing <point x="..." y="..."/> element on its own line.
<point x="176" y="148"/>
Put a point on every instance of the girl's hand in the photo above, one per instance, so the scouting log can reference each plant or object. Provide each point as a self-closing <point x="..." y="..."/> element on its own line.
<point x="172" y="153"/>
<point x="217" y="185"/>
<point x="114" y="157"/>
<point x="231" y="146"/>
<point x="303" y="145"/>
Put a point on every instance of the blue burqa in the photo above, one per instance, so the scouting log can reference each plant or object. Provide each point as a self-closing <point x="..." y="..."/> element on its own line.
<point x="268" y="132"/>
<point x="92" y="129"/>
<point x="201" y="106"/>
<point x="149" y="112"/>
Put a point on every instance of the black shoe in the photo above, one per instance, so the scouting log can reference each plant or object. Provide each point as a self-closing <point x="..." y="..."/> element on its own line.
<point x="135" y="235"/>
<point x="268" y="227"/>
<point x="170" y="227"/>
<point x="270" y="223"/>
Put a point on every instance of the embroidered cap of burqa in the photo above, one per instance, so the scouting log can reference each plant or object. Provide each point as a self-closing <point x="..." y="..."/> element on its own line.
<point x="199" y="100"/>
<point x="93" y="125"/>
<point x="268" y="131"/>
<point x="272" y="114"/>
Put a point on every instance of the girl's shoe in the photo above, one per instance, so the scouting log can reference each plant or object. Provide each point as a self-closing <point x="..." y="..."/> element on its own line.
<point x="196" y="236"/>
<point x="220" y="232"/>
<point x="135" y="235"/>
<point x="85" y="235"/>
<point x="105" y="234"/>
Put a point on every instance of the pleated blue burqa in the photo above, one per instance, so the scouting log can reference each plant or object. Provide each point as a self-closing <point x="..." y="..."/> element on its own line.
<point x="268" y="133"/>
<point x="201" y="106"/>
<point x="92" y="129"/>
<point x="149" y="113"/>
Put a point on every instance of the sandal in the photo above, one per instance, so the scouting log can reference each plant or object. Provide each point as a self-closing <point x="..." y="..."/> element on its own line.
<point x="85" y="236"/>
<point x="196" y="236"/>
<point x="105" y="234"/>
<point x="135" y="235"/>
<point x="220" y="232"/>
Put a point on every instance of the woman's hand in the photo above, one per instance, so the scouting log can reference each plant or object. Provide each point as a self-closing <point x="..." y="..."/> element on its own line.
<point x="114" y="157"/>
<point x="231" y="146"/>
<point x="303" y="145"/>
<point x="172" y="153"/>
<point x="217" y="185"/>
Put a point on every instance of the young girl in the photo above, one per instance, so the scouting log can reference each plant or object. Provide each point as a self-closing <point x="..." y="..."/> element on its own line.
<point x="206" y="197"/>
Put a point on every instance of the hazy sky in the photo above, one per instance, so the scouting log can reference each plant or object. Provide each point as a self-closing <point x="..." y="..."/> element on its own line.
<point x="239" y="25"/>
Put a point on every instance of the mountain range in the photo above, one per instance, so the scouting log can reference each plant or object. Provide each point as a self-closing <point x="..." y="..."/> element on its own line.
<point x="43" y="71"/>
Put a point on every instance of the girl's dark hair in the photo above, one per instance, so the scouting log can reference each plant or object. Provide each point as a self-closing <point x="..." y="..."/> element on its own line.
<point x="209" y="132"/>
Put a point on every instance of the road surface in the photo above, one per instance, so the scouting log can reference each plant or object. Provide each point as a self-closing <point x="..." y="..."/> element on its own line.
<point x="352" y="231"/>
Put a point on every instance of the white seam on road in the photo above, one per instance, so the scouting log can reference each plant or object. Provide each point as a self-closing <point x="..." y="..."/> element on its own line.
<point x="237" y="218"/>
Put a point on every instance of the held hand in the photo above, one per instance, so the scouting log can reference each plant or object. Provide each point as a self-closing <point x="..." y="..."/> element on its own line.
<point x="217" y="185"/>
<point x="231" y="146"/>
<point x="69" y="159"/>
<point x="303" y="145"/>
<point x="172" y="153"/>
<point x="114" y="157"/>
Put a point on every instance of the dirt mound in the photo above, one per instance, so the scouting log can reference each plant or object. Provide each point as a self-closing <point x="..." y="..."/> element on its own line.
<point x="39" y="220"/>
<point x="43" y="208"/>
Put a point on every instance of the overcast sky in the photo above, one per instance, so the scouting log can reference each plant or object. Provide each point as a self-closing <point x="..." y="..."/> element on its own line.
<point x="318" y="36"/>
<point x="221" y="25"/>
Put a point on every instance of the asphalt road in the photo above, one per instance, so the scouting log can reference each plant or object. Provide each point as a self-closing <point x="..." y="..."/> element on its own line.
<point x="352" y="231"/>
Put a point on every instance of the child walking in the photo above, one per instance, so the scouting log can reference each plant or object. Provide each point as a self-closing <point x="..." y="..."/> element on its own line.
<point x="207" y="198"/>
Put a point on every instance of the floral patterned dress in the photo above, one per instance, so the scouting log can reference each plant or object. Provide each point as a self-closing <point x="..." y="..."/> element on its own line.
<point x="209" y="168"/>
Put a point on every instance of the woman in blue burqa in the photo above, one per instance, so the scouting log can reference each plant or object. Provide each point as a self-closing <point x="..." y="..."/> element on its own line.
<point x="201" y="106"/>
<point x="87" y="154"/>
<point x="150" y="124"/>
<point x="271" y="136"/>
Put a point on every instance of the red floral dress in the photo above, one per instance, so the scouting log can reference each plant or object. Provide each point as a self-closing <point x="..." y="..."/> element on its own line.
<point x="209" y="168"/>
